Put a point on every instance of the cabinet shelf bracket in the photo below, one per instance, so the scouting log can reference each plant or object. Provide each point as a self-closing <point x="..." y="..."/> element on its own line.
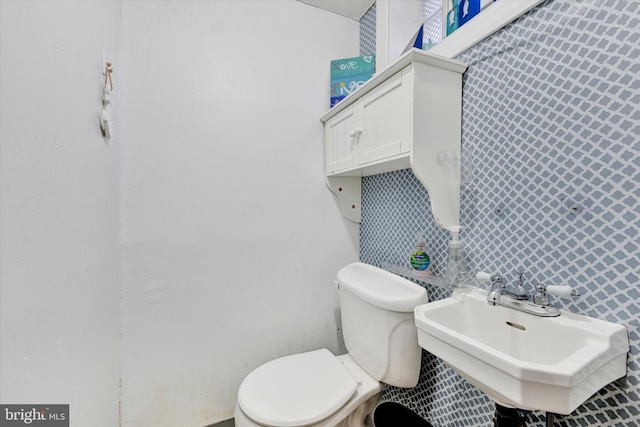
<point x="348" y="189"/>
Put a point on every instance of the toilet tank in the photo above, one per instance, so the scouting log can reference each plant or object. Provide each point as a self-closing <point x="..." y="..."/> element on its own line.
<point x="377" y="322"/>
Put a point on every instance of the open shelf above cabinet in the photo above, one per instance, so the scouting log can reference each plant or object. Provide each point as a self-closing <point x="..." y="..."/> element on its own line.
<point x="406" y="116"/>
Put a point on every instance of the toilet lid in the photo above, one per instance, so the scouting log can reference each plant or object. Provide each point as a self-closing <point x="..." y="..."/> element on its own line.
<point x="296" y="390"/>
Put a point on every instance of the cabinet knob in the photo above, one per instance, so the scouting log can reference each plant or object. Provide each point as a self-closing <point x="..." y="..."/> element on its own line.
<point x="355" y="132"/>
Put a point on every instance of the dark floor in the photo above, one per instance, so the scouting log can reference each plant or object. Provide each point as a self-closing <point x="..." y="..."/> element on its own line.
<point x="227" y="423"/>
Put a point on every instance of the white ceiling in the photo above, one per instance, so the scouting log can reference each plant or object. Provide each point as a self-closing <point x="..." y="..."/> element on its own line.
<point x="350" y="8"/>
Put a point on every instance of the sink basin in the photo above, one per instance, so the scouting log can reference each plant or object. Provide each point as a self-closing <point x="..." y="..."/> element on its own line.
<point x="519" y="360"/>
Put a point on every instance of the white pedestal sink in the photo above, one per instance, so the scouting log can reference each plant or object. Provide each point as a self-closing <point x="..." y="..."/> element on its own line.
<point x="552" y="364"/>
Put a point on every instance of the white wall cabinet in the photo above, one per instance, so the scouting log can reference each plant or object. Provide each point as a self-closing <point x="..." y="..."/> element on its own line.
<point x="341" y="137"/>
<point x="407" y="116"/>
<point x="374" y="128"/>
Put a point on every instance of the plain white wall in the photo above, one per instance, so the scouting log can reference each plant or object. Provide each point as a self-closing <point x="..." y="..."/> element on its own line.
<point x="59" y="210"/>
<point x="397" y="22"/>
<point x="232" y="240"/>
<point x="405" y="18"/>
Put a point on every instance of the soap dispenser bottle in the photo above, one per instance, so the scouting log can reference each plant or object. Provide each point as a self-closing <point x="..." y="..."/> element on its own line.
<point x="420" y="259"/>
<point x="456" y="272"/>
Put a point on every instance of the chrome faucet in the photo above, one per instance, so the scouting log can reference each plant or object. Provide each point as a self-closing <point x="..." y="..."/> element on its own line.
<point x="498" y="288"/>
<point x="537" y="304"/>
<point x="520" y="294"/>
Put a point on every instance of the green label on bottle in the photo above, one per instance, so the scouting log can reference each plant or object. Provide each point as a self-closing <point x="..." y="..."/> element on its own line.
<point x="420" y="260"/>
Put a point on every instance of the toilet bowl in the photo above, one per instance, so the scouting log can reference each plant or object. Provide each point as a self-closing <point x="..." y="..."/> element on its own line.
<point x="320" y="389"/>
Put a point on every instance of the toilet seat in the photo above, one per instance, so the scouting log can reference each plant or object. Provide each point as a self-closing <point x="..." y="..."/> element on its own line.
<point x="296" y="390"/>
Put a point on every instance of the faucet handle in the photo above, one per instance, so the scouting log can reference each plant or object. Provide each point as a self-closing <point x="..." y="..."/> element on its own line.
<point x="563" y="291"/>
<point x="494" y="279"/>
<point x="541" y="297"/>
<point x="483" y="277"/>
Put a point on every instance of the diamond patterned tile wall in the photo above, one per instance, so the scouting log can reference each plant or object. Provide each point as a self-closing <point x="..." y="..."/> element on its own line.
<point x="551" y="160"/>
<point x="368" y="32"/>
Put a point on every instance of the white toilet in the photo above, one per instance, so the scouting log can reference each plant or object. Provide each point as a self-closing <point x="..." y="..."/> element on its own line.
<point x="322" y="390"/>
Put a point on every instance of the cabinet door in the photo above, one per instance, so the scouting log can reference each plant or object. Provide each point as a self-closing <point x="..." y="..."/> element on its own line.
<point x="386" y="119"/>
<point x="341" y="135"/>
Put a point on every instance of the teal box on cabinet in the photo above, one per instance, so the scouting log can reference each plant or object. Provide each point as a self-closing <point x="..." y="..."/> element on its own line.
<point x="349" y="74"/>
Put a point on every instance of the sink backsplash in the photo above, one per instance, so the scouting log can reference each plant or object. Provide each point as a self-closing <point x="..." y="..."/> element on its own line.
<point x="551" y="160"/>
